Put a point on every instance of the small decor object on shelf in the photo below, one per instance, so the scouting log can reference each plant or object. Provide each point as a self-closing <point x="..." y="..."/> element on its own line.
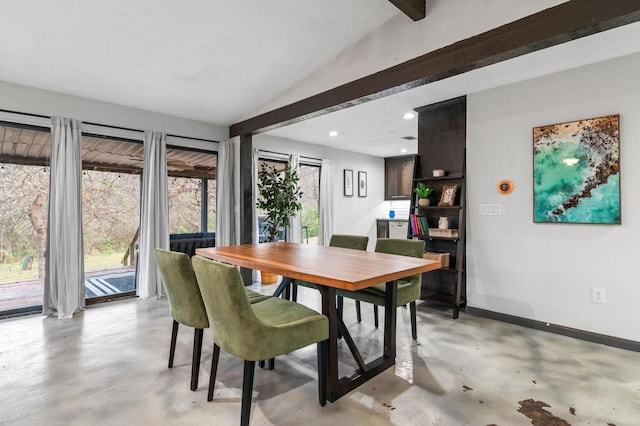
<point x="362" y="184"/>
<point x="438" y="173"/>
<point x="443" y="233"/>
<point x="576" y="172"/>
<point x="423" y="193"/>
<point x="448" y="195"/>
<point x="348" y="183"/>
<point x="443" y="223"/>
<point x="443" y="258"/>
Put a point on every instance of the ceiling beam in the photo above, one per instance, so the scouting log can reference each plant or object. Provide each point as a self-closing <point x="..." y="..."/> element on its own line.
<point x="414" y="9"/>
<point x="565" y="22"/>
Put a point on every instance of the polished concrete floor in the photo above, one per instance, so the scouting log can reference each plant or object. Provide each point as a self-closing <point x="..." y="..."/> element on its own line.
<point x="108" y="366"/>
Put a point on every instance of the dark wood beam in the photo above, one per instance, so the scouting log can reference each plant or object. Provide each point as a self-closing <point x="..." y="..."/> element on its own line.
<point x="565" y="22"/>
<point x="246" y="198"/>
<point x="414" y="9"/>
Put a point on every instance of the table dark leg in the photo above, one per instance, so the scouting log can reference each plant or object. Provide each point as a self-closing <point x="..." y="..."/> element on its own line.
<point x="390" y="321"/>
<point x="283" y="287"/>
<point x="331" y="359"/>
<point x="337" y="387"/>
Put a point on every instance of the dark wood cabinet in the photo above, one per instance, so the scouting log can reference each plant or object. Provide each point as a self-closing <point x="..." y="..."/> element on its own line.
<point x="398" y="177"/>
<point x="441" y="146"/>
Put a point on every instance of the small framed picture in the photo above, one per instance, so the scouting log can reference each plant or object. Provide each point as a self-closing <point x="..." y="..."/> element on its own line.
<point x="362" y="184"/>
<point x="348" y="183"/>
<point x="448" y="195"/>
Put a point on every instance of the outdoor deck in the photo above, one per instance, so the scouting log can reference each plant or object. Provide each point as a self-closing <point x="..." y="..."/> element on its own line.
<point x="24" y="294"/>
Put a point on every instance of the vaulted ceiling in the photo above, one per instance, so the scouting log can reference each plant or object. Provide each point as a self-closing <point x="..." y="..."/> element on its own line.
<point x="223" y="61"/>
<point x="211" y="60"/>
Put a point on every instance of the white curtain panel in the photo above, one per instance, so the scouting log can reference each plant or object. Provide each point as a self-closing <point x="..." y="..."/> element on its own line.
<point x="64" y="279"/>
<point x="225" y="209"/>
<point x="255" y="275"/>
<point x="154" y="214"/>
<point x="294" y="231"/>
<point x="325" y="226"/>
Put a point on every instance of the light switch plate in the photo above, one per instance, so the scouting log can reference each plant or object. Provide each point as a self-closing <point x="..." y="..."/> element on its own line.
<point x="490" y="210"/>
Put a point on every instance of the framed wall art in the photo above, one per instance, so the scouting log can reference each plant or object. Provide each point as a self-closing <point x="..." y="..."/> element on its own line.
<point x="448" y="195"/>
<point x="348" y="183"/>
<point x="576" y="172"/>
<point x="362" y="184"/>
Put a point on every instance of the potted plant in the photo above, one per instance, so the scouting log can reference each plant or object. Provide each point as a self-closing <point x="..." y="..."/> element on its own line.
<point x="280" y="198"/>
<point x="423" y="193"/>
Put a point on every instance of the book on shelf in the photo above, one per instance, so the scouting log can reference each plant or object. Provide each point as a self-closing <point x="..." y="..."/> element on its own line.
<point x="419" y="225"/>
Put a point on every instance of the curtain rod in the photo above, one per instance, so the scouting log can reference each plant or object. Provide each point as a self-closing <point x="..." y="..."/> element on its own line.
<point x="27" y="114"/>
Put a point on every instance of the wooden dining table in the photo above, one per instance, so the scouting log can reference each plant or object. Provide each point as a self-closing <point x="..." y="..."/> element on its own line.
<point x="332" y="268"/>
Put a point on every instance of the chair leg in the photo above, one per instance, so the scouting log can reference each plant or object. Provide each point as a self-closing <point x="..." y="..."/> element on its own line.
<point x="214" y="371"/>
<point x="375" y="315"/>
<point x="294" y="292"/>
<point x="358" y="313"/>
<point x="195" y="362"/>
<point x="247" y="389"/>
<point x="174" y="337"/>
<point x="414" y="326"/>
<point x="271" y="363"/>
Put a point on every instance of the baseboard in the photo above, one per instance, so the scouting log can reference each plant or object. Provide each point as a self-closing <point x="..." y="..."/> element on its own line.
<point x="616" y="342"/>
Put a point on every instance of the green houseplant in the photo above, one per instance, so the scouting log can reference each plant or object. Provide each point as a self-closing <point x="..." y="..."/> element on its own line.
<point x="280" y="198"/>
<point x="423" y="192"/>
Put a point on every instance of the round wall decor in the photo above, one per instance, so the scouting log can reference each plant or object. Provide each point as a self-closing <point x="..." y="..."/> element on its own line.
<point x="505" y="187"/>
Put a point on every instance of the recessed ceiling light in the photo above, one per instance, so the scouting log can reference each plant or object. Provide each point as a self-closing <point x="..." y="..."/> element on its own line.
<point x="333" y="133"/>
<point x="409" y="115"/>
<point x="403" y="150"/>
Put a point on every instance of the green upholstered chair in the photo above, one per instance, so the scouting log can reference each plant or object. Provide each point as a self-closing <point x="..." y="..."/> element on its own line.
<point x="256" y="331"/>
<point x="185" y="303"/>
<point x="408" y="288"/>
<point x="356" y="242"/>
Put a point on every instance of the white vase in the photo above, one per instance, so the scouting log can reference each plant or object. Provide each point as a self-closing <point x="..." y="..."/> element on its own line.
<point x="443" y="223"/>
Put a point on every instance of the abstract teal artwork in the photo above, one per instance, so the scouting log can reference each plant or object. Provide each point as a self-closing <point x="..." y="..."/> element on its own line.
<point x="576" y="172"/>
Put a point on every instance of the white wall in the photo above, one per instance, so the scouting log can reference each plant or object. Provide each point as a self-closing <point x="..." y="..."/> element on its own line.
<point x="31" y="100"/>
<point x="546" y="272"/>
<point x="352" y="215"/>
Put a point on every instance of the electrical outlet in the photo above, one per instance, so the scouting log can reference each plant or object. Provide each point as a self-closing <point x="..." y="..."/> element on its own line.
<point x="598" y="295"/>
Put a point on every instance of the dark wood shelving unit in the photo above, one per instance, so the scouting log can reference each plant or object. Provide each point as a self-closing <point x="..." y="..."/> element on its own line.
<point x="441" y="145"/>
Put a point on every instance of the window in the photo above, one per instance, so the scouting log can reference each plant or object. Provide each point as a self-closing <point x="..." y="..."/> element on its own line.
<point x="24" y="194"/>
<point x="110" y="214"/>
<point x="310" y="186"/>
<point x="191" y="190"/>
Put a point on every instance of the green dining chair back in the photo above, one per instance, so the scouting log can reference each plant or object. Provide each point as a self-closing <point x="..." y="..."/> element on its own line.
<point x="408" y="289"/>
<point x="258" y="331"/>
<point x="185" y="303"/>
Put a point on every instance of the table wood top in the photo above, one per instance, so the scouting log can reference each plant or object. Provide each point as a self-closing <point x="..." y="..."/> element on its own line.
<point x="332" y="266"/>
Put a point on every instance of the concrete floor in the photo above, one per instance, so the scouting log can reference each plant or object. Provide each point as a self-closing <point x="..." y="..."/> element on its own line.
<point x="108" y="366"/>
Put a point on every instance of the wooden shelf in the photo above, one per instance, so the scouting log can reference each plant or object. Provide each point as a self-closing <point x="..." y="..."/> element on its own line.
<point x="455" y="176"/>
<point x="436" y="209"/>
<point x="442" y="145"/>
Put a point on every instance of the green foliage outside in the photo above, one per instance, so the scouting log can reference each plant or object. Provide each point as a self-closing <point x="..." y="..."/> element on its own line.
<point x="11" y="272"/>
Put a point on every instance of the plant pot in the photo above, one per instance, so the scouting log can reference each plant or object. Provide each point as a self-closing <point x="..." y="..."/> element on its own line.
<point x="423" y="202"/>
<point x="268" y="278"/>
